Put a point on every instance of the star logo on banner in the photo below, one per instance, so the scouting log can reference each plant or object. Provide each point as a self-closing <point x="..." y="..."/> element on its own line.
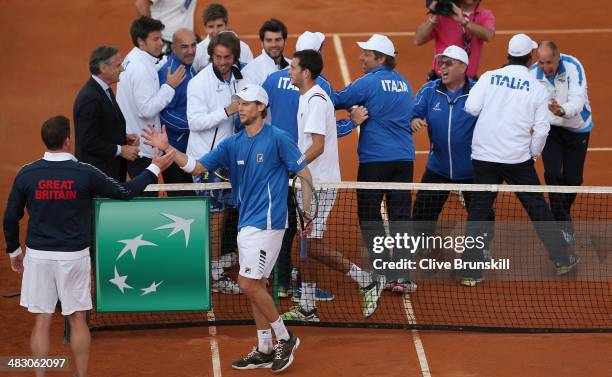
<point x="133" y="245"/>
<point x="151" y="288"/>
<point x="178" y="224"/>
<point x="119" y="281"/>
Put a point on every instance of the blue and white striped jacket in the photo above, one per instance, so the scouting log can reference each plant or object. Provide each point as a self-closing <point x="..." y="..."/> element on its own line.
<point x="569" y="88"/>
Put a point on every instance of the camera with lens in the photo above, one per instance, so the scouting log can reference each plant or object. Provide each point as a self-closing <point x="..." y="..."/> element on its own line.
<point x="443" y="7"/>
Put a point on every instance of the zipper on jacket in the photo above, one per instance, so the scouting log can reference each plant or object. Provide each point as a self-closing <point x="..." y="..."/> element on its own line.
<point x="450" y="154"/>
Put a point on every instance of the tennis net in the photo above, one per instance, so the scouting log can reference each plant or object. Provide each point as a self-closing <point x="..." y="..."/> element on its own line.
<point x="373" y="229"/>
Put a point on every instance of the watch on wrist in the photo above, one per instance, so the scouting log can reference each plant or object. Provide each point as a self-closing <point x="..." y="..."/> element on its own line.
<point x="465" y="21"/>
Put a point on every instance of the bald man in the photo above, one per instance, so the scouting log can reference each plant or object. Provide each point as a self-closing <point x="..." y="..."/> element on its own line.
<point x="174" y="116"/>
<point x="571" y="124"/>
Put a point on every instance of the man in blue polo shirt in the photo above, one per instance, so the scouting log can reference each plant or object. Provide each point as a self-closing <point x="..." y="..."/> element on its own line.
<point x="283" y="105"/>
<point x="386" y="149"/>
<point x="260" y="159"/>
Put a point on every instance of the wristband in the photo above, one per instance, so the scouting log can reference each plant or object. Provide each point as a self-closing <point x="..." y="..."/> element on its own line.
<point x="190" y="166"/>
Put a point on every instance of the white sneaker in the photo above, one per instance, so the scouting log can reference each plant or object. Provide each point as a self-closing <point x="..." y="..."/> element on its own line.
<point x="226" y="286"/>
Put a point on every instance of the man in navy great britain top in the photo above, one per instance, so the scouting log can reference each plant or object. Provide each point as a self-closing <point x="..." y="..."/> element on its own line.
<point x="57" y="191"/>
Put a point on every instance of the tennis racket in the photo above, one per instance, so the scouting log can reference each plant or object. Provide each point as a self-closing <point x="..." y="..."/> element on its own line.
<point x="223" y="174"/>
<point x="307" y="205"/>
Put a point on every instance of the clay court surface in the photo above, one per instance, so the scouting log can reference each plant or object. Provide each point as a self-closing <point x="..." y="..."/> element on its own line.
<point x="46" y="45"/>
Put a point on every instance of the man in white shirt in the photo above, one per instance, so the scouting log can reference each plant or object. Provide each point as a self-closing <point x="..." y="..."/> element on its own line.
<point x="174" y="14"/>
<point x="211" y="114"/>
<point x="318" y="141"/>
<point x="510" y="133"/>
<point x="216" y="19"/>
<point x="273" y="35"/>
<point x="571" y="124"/>
<point x="139" y="94"/>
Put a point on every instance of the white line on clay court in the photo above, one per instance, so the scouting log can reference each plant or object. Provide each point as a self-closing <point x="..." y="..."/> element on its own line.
<point x="214" y="346"/>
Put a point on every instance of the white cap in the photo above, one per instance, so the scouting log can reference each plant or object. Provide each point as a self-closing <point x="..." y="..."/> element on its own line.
<point x="309" y="41"/>
<point x="521" y="45"/>
<point x="455" y="52"/>
<point x="251" y="93"/>
<point x="379" y="43"/>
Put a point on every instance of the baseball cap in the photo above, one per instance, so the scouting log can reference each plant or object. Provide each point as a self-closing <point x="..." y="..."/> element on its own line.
<point x="380" y="43"/>
<point x="455" y="52"/>
<point x="521" y="45"/>
<point x="309" y="41"/>
<point x="251" y="93"/>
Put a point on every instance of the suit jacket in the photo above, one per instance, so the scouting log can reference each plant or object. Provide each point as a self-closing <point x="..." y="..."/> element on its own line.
<point x="99" y="127"/>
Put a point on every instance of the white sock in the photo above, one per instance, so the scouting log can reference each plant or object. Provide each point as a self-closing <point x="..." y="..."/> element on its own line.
<point x="280" y="330"/>
<point x="361" y="277"/>
<point x="307" y="296"/>
<point x="264" y="341"/>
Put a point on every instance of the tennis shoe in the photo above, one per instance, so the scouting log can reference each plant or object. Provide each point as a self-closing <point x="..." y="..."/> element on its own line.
<point x="320" y="295"/>
<point x="573" y="260"/>
<point x="371" y="295"/>
<point x="226" y="285"/>
<point x="254" y="360"/>
<point x="283" y="353"/>
<point x="296" y="313"/>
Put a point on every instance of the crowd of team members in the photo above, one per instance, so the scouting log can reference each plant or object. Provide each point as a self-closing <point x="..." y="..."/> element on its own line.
<point x="211" y="105"/>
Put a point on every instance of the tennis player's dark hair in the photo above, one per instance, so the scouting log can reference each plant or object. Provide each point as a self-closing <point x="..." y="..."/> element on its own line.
<point x="274" y="25"/>
<point x="228" y="39"/>
<point x="389" y="60"/>
<point x="54" y="132"/>
<point x="214" y="11"/>
<point x="101" y="55"/>
<point x="142" y="27"/>
<point x="310" y="60"/>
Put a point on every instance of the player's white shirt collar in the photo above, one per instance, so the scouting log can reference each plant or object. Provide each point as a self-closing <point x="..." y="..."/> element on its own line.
<point x="58" y="156"/>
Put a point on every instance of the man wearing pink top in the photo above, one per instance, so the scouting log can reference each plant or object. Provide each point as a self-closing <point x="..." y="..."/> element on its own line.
<point x="468" y="27"/>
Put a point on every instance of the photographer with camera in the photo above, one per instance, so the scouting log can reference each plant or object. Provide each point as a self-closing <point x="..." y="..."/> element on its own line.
<point x="456" y="22"/>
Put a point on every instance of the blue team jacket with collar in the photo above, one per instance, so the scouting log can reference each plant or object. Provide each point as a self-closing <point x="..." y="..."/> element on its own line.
<point x="174" y="116"/>
<point x="450" y="129"/>
<point x="386" y="135"/>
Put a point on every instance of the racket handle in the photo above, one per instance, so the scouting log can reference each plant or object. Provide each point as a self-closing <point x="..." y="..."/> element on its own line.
<point x="303" y="247"/>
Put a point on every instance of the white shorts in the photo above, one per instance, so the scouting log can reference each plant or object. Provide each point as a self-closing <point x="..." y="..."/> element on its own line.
<point x="327" y="197"/>
<point x="258" y="250"/>
<point x="46" y="280"/>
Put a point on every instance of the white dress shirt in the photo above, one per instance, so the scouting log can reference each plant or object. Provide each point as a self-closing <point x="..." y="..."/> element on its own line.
<point x="139" y="95"/>
<point x="512" y="110"/>
<point x="105" y="88"/>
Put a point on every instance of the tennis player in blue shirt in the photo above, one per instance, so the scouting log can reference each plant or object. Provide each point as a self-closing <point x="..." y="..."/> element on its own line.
<point x="260" y="159"/>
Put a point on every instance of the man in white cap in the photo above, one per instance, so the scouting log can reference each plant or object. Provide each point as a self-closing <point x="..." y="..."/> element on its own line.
<point x="439" y="108"/>
<point x="283" y="106"/>
<point x="386" y="149"/>
<point x="253" y="157"/>
<point x="510" y="133"/>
